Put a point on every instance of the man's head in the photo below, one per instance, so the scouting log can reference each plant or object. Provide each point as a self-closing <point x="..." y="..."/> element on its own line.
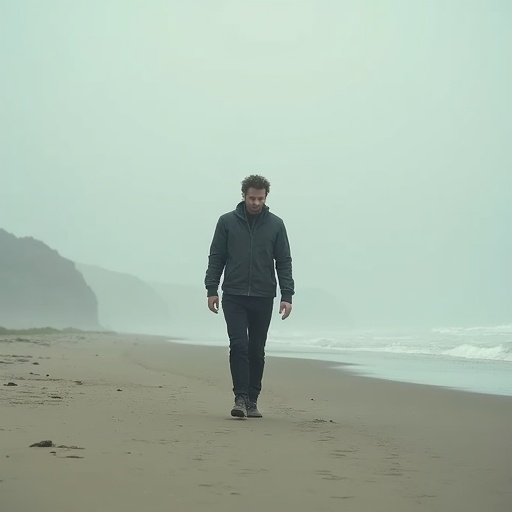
<point x="255" y="189"/>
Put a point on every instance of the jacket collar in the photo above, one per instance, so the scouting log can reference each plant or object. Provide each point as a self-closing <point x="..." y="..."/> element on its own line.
<point x="242" y="212"/>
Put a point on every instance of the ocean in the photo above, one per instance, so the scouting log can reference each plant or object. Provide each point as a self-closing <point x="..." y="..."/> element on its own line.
<point x="476" y="359"/>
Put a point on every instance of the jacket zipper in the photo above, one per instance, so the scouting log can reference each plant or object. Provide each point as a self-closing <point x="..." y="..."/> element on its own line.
<point x="251" y="233"/>
<point x="250" y="267"/>
<point x="250" y="254"/>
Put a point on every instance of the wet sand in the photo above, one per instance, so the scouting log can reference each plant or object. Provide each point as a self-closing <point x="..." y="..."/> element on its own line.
<point x="138" y="423"/>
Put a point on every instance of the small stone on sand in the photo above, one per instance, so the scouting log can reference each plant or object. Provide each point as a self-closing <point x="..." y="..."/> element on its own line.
<point x="42" y="444"/>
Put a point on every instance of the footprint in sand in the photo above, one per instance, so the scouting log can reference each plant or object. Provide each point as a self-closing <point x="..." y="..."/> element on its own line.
<point x="328" y="475"/>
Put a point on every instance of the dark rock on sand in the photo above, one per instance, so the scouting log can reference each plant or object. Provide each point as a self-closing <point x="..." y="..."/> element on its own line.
<point x="42" y="444"/>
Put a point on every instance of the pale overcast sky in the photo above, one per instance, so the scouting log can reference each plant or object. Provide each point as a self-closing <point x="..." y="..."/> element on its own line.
<point x="384" y="128"/>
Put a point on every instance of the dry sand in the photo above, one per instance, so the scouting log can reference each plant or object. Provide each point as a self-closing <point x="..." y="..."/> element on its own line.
<point x="143" y="424"/>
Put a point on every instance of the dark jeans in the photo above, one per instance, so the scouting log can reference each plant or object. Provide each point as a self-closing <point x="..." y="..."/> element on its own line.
<point x="247" y="321"/>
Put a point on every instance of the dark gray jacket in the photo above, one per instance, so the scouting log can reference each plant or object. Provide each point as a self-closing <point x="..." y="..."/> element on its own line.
<point x="247" y="254"/>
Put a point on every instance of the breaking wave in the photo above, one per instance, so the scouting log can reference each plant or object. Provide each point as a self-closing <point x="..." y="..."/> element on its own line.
<point x="479" y="343"/>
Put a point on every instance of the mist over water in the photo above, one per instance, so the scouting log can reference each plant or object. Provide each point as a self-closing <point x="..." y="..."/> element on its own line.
<point x="384" y="129"/>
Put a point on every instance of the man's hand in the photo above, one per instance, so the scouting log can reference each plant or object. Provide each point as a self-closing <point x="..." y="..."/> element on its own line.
<point x="213" y="303"/>
<point x="285" y="308"/>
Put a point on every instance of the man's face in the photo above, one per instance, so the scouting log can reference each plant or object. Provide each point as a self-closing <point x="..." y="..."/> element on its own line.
<point x="255" y="199"/>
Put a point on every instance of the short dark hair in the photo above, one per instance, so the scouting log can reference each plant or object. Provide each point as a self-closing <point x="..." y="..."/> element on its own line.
<point x="255" y="181"/>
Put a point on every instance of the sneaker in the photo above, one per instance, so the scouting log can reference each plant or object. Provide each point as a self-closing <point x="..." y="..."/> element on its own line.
<point x="240" y="408"/>
<point x="252" y="410"/>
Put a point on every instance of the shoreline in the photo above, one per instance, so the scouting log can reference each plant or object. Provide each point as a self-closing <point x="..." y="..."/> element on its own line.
<point x="369" y="365"/>
<point x="145" y="423"/>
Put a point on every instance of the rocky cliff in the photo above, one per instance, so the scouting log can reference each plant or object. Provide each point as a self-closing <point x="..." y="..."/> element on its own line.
<point x="39" y="288"/>
<point x="127" y="303"/>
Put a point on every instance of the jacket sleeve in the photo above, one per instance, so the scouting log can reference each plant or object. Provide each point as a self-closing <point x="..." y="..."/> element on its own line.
<point x="283" y="257"/>
<point x="216" y="259"/>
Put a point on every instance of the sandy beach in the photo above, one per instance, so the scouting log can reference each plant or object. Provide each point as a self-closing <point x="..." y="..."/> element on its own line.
<point x="138" y="423"/>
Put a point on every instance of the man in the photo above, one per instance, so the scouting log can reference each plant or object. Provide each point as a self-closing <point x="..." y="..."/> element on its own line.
<point x="249" y="245"/>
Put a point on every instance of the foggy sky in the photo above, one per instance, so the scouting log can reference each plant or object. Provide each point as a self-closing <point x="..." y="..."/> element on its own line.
<point x="383" y="127"/>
